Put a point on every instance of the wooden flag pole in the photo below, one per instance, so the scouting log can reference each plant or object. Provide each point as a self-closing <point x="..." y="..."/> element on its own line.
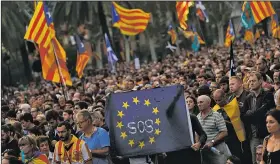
<point x="62" y="81"/>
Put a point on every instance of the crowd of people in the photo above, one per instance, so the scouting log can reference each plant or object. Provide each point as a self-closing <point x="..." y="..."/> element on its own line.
<point x="47" y="123"/>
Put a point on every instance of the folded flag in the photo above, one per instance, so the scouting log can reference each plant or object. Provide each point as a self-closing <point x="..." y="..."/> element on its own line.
<point x="247" y="18"/>
<point x="172" y="34"/>
<point x="148" y="121"/>
<point x="112" y="58"/>
<point x="129" y="21"/>
<point x="255" y="11"/>
<point x="201" y="12"/>
<point x="261" y="10"/>
<point x="229" y="35"/>
<point x="52" y="55"/>
<point x="183" y="10"/>
<point x="82" y="57"/>
<point x="275" y="28"/>
<point x="231" y="61"/>
<point x="233" y="112"/>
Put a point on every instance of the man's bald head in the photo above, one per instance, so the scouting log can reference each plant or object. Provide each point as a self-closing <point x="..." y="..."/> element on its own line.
<point x="203" y="102"/>
<point x="220" y="96"/>
<point x="219" y="92"/>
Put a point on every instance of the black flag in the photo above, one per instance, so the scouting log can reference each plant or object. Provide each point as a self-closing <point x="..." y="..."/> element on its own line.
<point x="231" y="60"/>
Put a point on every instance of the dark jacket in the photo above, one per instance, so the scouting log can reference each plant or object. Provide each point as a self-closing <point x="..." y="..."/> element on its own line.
<point x="256" y="117"/>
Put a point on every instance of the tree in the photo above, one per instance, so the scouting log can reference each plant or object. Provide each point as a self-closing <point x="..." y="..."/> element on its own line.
<point x="219" y="15"/>
<point x="14" y="21"/>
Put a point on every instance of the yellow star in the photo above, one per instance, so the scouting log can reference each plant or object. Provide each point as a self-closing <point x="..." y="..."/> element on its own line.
<point x="141" y="144"/>
<point x="157" y="121"/>
<point x="135" y="100"/>
<point x="125" y="105"/>
<point x="119" y="125"/>
<point x="155" y="110"/>
<point x="123" y="135"/>
<point x="131" y="142"/>
<point x="120" y="114"/>
<point x="157" y="131"/>
<point x="152" y="140"/>
<point x="147" y="102"/>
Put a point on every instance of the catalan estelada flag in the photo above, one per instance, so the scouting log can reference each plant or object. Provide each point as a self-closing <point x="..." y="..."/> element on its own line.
<point x="201" y="11"/>
<point x="233" y="112"/>
<point x="53" y="57"/>
<point x="172" y="34"/>
<point x="82" y="57"/>
<point x="230" y="34"/>
<point x="39" y="158"/>
<point x="261" y="10"/>
<point x="182" y="9"/>
<point x="275" y="28"/>
<point x="129" y="21"/>
<point x="142" y="122"/>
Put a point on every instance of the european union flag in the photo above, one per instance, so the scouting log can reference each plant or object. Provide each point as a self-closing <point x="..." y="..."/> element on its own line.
<point x="148" y="121"/>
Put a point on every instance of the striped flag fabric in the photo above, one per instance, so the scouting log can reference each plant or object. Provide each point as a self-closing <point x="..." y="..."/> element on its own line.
<point x="229" y="35"/>
<point x="53" y="57"/>
<point x="261" y="10"/>
<point x="82" y="56"/>
<point x="129" y="21"/>
<point x="275" y="28"/>
<point x="172" y="33"/>
<point x="201" y="12"/>
<point x="182" y="9"/>
<point x="112" y="58"/>
<point x="187" y="34"/>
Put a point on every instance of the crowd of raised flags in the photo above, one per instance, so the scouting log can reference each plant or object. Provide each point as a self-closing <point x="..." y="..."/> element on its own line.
<point x="132" y="22"/>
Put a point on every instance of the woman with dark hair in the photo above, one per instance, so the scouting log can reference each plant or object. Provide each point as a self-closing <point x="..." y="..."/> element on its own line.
<point x="192" y="105"/>
<point x="43" y="143"/>
<point x="271" y="144"/>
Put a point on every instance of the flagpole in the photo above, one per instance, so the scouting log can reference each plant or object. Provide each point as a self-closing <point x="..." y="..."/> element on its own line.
<point x="63" y="84"/>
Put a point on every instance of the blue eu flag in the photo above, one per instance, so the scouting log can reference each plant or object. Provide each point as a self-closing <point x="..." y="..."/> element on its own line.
<point x="148" y="121"/>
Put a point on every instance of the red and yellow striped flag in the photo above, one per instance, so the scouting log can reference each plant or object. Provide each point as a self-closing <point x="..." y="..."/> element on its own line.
<point x="182" y="9"/>
<point x="172" y="34"/>
<point x="275" y="28"/>
<point x="261" y="10"/>
<point x="53" y="57"/>
<point x="129" y="21"/>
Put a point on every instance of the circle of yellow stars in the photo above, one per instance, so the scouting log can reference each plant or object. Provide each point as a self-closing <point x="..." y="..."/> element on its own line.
<point x="123" y="135"/>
